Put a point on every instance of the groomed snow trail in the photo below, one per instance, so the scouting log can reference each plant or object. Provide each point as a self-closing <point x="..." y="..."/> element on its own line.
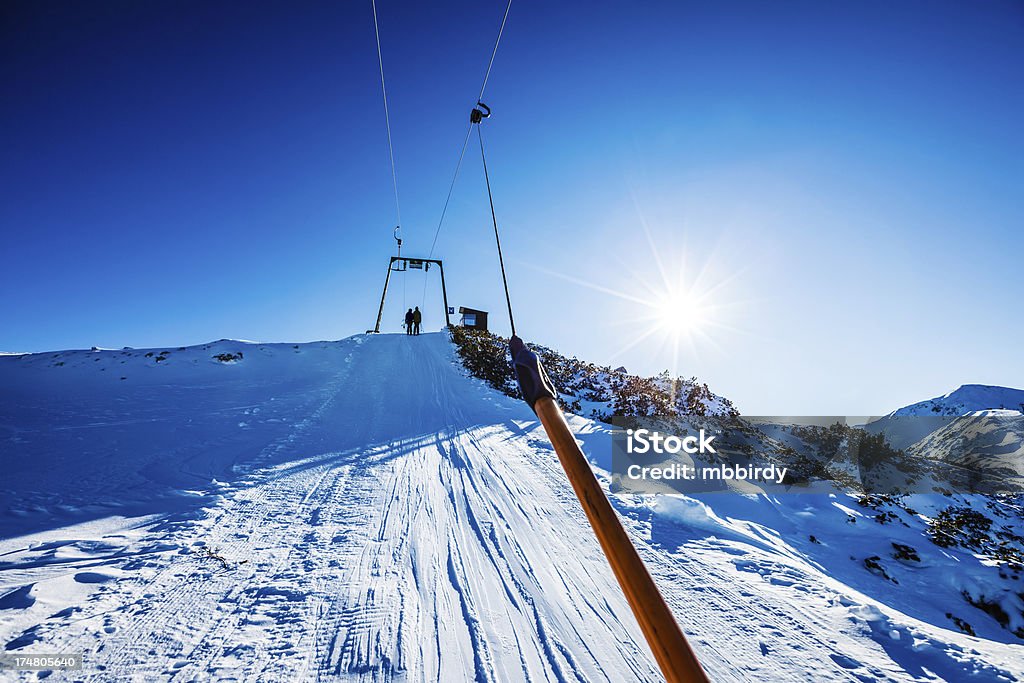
<point x="397" y="531"/>
<point x="363" y="510"/>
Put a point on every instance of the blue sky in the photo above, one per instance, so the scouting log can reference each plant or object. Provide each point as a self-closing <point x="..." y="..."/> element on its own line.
<point x="837" y="183"/>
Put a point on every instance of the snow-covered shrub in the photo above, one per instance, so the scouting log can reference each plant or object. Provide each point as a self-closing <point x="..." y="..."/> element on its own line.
<point x="486" y="357"/>
<point x="965" y="527"/>
<point x="604" y="391"/>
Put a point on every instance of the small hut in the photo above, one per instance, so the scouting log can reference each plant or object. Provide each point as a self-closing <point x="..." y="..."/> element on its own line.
<point x="473" y="318"/>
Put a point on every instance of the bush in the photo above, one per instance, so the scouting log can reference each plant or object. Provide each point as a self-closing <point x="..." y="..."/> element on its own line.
<point x="621" y="394"/>
<point x="972" y="530"/>
<point x="905" y="552"/>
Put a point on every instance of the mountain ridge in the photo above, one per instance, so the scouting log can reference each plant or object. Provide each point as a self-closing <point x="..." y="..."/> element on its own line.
<point x="967" y="399"/>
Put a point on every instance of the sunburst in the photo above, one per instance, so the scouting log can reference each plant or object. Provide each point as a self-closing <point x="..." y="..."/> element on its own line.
<point x="680" y="298"/>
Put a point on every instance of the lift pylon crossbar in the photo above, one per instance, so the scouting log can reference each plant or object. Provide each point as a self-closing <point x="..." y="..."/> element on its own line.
<point x="404" y="261"/>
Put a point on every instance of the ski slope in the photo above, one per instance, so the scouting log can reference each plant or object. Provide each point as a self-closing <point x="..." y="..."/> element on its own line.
<point x="363" y="510"/>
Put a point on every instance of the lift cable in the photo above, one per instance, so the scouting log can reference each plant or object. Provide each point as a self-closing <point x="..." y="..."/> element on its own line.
<point x="476" y="117"/>
<point x="387" y="118"/>
<point x="391" y="147"/>
<point x="494" y="51"/>
<point x="469" y="131"/>
<point x="451" y="187"/>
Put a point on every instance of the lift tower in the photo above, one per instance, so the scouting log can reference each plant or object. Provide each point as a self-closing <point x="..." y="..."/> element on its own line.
<point x="400" y="264"/>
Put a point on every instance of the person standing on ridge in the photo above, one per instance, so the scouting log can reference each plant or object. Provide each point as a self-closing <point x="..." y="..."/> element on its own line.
<point x="417" y="318"/>
<point x="408" y="321"/>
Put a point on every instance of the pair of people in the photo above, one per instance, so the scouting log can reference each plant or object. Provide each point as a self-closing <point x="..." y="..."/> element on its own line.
<point x="413" y="320"/>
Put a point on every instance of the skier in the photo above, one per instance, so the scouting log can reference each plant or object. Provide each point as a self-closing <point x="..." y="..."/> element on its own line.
<point x="408" y="321"/>
<point x="417" y="318"/>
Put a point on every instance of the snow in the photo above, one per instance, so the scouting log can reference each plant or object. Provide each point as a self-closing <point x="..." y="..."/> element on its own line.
<point x="910" y="424"/>
<point x="363" y="509"/>
<point x="968" y="399"/>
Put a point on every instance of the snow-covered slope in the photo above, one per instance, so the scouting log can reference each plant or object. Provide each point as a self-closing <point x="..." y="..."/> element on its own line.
<point x="364" y="509"/>
<point x="968" y="399"/>
<point x="910" y="424"/>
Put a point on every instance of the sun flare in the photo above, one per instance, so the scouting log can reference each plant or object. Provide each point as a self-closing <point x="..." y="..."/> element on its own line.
<point x="682" y="300"/>
<point x="680" y="313"/>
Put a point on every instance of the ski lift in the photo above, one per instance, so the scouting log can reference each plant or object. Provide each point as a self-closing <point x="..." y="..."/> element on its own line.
<point x="400" y="264"/>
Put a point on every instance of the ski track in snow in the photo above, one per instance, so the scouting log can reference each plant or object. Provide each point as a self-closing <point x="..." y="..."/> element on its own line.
<point x="410" y="524"/>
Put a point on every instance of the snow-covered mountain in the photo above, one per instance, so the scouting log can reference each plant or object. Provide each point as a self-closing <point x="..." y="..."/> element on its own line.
<point x="367" y="510"/>
<point x="910" y="424"/>
<point x="967" y="399"/>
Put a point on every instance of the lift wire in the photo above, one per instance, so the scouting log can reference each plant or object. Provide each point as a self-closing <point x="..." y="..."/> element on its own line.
<point x="494" y="219"/>
<point x="451" y="187"/>
<point x="465" y="143"/>
<point x="391" y="147"/>
<point x="387" y="116"/>
<point x="494" y="51"/>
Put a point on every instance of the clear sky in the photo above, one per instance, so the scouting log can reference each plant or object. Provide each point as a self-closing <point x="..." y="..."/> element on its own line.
<point x="829" y="194"/>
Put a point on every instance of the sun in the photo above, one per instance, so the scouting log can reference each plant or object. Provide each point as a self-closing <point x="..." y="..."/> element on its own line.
<point x="678" y="308"/>
<point x="682" y="299"/>
<point x="680" y="313"/>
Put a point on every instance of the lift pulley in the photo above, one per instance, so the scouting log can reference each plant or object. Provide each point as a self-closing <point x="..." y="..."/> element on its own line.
<point x="478" y="114"/>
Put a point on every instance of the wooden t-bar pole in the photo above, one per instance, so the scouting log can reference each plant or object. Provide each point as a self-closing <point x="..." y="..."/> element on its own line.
<point x="675" y="657"/>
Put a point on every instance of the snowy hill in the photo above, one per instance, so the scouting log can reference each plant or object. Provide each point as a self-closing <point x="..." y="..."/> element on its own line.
<point x="366" y="509"/>
<point x="968" y="399"/>
<point x="910" y="424"/>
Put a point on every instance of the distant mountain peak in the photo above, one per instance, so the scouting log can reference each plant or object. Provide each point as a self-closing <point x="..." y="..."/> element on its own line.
<point x="968" y="399"/>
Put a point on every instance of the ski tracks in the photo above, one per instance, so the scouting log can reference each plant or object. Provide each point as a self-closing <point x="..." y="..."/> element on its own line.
<point x="444" y="588"/>
<point x="397" y="531"/>
<point x="412" y="525"/>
